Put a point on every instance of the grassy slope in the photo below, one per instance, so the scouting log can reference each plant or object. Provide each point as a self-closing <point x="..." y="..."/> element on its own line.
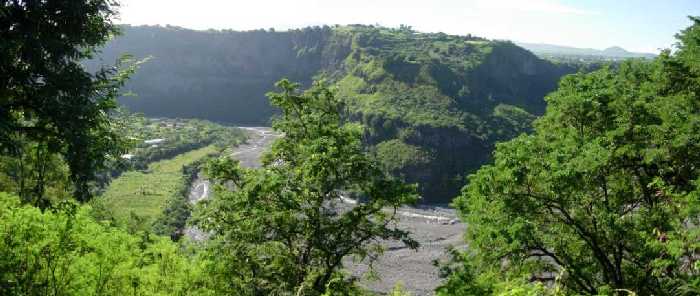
<point x="126" y="193"/>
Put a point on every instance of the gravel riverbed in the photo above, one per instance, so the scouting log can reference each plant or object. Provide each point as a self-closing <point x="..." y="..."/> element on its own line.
<point x="436" y="228"/>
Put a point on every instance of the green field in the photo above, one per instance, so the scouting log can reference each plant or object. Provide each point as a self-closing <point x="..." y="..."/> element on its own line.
<point x="145" y="193"/>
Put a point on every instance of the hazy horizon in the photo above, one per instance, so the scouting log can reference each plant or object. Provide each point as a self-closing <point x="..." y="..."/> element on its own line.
<point x="638" y="26"/>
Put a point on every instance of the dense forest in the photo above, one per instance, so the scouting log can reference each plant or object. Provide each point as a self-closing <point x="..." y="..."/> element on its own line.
<point x="593" y="191"/>
<point x="434" y="104"/>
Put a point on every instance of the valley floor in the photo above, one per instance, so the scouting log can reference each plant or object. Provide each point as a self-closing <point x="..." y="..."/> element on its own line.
<point x="435" y="228"/>
<point x="248" y="153"/>
<point x="145" y="193"/>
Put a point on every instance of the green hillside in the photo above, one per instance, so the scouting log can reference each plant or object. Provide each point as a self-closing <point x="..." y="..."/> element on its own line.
<point x="447" y="98"/>
<point x="145" y="193"/>
<point x="441" y="101"/>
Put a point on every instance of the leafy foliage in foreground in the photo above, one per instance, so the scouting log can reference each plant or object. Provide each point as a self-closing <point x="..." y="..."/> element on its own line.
<point x="605" y="193"/>
<point x="63" y="251"/>
<point x="283" y="230"/>
<point x="50" y="106"/>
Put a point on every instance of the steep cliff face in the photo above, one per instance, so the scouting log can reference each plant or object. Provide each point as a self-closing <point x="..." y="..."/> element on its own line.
<point x="217" y="75"/>
<point x="448" y="98"/>
<point x="434" y="104"/>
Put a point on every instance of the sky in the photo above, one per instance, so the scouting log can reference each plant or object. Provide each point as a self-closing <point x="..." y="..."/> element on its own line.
<point x="636" y="25"/>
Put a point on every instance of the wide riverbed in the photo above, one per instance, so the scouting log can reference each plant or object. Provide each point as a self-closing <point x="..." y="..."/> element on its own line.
<point x="435" y="228"/>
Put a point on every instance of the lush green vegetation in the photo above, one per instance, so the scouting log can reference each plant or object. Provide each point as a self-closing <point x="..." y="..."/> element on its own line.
<point x="394" y="155"/>
<point x="154" y="139"/>
<point x="53" y="111"/>
<point x="150" y="184"/>
<point x="70" y="249"/>
<point x="178" y="209"/>
<point x="144" y="193"/>
<point x="64" y="251"/>
<point x="451" y="97"/>
<point x="435" y="92"/>
<point x="603" y="196"/>
<point x="280" y="231"/>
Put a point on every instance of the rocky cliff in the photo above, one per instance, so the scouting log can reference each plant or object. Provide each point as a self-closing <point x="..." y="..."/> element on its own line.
<point x="434" y="104"/>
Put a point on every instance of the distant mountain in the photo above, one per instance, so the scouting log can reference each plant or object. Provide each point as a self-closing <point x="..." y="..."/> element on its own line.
<point x="614" y="52"/>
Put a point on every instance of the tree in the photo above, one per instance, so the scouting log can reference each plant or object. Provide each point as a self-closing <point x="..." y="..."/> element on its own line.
<point x="604" y="194"/>
<point x="284" y="229"/>
<point x="66" y="252"/>
<point x="49" y="104"/>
